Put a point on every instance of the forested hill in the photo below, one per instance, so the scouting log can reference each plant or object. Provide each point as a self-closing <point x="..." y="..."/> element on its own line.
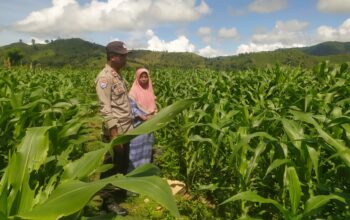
<point x="328" y="48"/>
<point x="78" y="53"/>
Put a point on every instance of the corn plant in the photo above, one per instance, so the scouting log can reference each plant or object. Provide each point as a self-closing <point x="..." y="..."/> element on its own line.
<point x="275" y="139"/>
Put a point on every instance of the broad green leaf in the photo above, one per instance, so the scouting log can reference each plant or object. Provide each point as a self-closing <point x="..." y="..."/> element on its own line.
<point x="42" y="196"/>
<point x="162" y="117"/>
<point x="4" y="100"/>
<point x="294" y="132"/>
<point x="275" y="164"/>
<point x="261" y="134"/>
<point x="153" y="187"/>
<point x="69" y="197"/>
<point x="35" y="103"/>
<point x="197" y="138"/>
<point x="253" y="162"/>
<point x="293" y="188"/>
<point x="245" y="138"/>
<point x="210" y="187"/>
<point x="3" y="201"/>
<point x="27" y="196"/>
<point x="253" y="197"/>
<point x="346" y="128"/>
<point x="3" y="182"/>
<point x="84" y="166"/>
<point x="72" y="195"/>
<point x="70" y="129"/>
<point x="318" y="201"/>
<point x="314" y="156"/>
<point x="144" y="170"/>
<point x="306" y="117"/>
<point x="308" y="99"/>
<point x="342" y="150"/>
<point x="158" y="121"/>
<point x="336" y="112"/>
<point x="31" y="154"/>
<point x="62" y="105"/>
<point x="103" y="168"/>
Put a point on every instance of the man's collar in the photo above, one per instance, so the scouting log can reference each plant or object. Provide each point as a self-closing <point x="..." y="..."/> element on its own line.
<point x="112" y="71"/>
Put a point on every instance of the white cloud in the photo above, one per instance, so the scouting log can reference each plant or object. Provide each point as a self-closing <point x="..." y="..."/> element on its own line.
<point x="237" y="11"/>
<point x="342" y="33"/>
<point x="136" y="40"/>
<point x="283" y="35"/>
<point x="334" y="6"/>
<point x="210" y="52"/>
<point x="205" y="34"/>
<point x="228" y="33"/>
<point x="267" y="6"/>
<point x="67" y="17"/>
<point x="286" y="33"/>
<point x="203" y="8"/>
<point x="181" y="44"/>
<point x="36" y="40"/>
<point x="252" y="47"/>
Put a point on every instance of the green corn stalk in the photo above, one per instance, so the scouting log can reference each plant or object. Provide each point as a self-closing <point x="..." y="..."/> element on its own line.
<point x="71" y="194"/>
<point x="339" y="148"/>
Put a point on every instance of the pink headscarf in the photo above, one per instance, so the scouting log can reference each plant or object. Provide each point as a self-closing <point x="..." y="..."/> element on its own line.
<point x="144" y="97"/>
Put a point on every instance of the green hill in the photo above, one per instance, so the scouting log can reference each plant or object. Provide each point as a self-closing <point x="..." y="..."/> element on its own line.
<point x="78" y="53"/>
<point x="74" y="52"/>
<point x="328" y="48"/>
<point x="165" y="59"/>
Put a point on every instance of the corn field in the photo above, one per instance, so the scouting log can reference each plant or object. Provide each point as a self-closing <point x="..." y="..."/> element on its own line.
<point x="258" y="144"/>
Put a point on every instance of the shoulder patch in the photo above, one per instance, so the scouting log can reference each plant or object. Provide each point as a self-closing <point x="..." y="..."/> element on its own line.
<point x="102" y="82"/>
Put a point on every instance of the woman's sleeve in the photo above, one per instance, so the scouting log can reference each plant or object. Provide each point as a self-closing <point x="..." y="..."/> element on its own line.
<point x="135" y="110"/>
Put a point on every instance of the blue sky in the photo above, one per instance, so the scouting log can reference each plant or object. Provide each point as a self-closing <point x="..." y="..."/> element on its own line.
<point x="207" y="27"/>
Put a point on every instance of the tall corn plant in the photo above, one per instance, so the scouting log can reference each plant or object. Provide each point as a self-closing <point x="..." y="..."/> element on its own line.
<point x="64" y="192"/>
<point x="243" y="128"/>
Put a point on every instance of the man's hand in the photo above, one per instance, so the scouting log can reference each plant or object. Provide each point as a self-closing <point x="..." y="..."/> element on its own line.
<point x="114" y="132"/>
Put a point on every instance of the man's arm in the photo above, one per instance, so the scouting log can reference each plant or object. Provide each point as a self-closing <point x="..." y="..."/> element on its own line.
<point x="103" y="90"/>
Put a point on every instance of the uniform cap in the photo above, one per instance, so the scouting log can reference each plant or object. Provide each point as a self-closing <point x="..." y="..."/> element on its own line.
<point x="117" y="47"/>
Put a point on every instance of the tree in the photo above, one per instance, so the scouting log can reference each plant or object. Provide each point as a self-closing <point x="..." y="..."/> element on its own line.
<point x="15" y="55"/>
<point x="34" y="45"/>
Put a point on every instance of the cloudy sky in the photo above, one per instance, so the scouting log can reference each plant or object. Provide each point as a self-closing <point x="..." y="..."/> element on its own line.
<point x="207" y="27"/>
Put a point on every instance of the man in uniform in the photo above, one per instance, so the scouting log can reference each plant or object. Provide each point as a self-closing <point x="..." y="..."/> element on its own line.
<point x="116" y="111"/>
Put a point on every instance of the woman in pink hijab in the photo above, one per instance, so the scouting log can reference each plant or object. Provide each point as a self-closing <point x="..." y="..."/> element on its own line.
<point x="143" y="104"/>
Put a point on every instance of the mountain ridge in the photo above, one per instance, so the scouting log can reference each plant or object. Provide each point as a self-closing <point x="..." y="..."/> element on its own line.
<point x="79" y="53"/>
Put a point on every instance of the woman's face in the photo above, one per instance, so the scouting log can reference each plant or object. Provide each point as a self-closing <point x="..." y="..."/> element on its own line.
<point x="143" y="80"/>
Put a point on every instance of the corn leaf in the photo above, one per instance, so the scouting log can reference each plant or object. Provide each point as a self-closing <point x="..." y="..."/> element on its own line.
<point x="156" y="122"/>
<point x="318" y="201"/>
<point x="342" y="150"/>
<point x="314" y="156"/>
<point x="294" y="132"/>
<point x="253" y="197"/>
<point x="293" y="188"/>
<point x="31" y="154"/>
<point x="275" y="164"/>
<point x="72" y="195"/>
<point x="84" y="166"/>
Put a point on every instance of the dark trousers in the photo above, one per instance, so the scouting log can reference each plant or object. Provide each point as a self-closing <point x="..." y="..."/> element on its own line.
<point x="120" y="161"/>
